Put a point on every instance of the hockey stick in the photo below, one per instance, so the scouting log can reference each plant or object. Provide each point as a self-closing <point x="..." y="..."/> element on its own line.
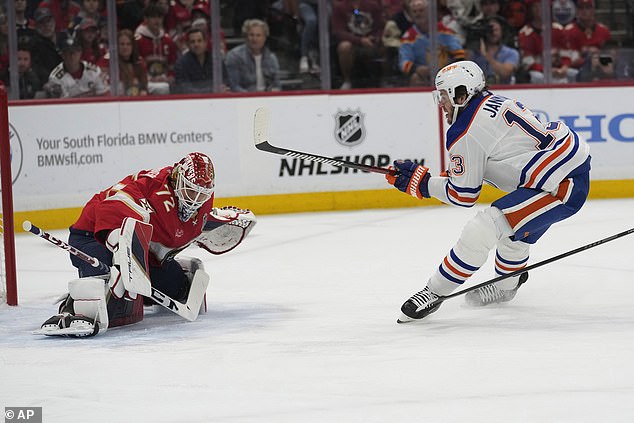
<point x="187" y="310"/>
<point x="261" y="123"/>
<point x="533" y="266"/>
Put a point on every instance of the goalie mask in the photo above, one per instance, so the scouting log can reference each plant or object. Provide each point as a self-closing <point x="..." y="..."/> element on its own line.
<point x="193" y="182"/>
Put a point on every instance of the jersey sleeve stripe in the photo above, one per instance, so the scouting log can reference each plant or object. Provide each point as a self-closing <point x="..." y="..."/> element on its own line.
<point x="131" y="204"/>
<point x="465" y="197"/>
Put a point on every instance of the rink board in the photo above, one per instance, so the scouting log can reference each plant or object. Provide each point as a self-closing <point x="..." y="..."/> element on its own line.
<point x="63" y="153"/>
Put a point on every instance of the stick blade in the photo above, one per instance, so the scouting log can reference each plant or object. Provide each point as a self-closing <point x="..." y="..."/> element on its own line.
<point x="261" y="122"/>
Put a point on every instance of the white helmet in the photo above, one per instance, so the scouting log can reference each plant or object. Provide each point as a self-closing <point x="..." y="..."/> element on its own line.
<point x="193" y="181"/>
<point x="464" y="73"/>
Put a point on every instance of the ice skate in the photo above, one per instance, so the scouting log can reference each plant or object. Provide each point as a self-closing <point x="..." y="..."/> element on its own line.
<point x="67" y="324"/>
<point x="491" y="294"/>
<point x="418" y="306"/>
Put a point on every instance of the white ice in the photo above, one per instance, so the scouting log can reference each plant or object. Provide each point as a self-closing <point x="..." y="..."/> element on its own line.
<point x="302" y="328"/>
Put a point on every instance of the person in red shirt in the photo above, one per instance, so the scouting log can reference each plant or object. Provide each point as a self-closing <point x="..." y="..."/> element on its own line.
<point x="584" y="33"/>
<point x="158" y="50"/>
<point x="531" y="48"/>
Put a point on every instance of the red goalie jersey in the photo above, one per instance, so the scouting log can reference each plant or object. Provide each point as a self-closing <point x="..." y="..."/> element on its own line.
<point x="147" y="196"/>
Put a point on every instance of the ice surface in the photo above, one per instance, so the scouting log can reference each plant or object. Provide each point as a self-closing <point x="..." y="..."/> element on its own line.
<point x="301" y="328"/>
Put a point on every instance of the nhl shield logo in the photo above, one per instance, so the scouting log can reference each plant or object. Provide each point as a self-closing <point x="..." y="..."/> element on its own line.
<point x="349" y="128"/>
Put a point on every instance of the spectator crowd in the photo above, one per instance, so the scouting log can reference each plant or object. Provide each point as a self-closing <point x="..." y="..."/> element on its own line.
<point x="165" y="46"/>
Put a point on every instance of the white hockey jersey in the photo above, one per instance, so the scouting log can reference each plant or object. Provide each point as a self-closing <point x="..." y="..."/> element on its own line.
<point x="90" y="84"/>
<point x="499" y="141"/>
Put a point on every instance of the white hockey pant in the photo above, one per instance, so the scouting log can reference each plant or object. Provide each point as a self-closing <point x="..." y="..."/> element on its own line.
<point x="489" y="228"/>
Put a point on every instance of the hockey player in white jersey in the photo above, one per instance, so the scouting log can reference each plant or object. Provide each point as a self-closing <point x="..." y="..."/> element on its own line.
<point x="543" y="166"/>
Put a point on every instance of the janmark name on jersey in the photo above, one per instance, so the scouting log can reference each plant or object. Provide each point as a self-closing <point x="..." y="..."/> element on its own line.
<point x="493" y="104"/>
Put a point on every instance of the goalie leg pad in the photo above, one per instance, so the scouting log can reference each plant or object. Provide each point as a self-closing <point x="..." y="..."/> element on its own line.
<point x="131" y="245"/>
<point x="89" y="295"/>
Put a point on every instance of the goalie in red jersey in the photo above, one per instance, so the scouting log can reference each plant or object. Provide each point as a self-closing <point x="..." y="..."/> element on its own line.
<point x="137" y="227"/>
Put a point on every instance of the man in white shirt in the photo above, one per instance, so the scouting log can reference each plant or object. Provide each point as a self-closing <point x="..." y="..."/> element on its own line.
<point x="74" y="77"/>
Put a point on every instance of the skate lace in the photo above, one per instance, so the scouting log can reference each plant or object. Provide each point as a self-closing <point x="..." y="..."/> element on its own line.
<point x="490" y="294"/>
<point x="423" y="298"/>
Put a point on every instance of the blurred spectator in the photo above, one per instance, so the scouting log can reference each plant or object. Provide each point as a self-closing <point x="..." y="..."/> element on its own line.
<point x="64" y="12"/>
<point x="583" y="33"/>
<point x="157" y="49"/>
<point x="88" y="37"/>
<point x="357" y="26"/>
<point x="132" y="71"/>
<point x="415" y="51"/>
<point x="93" y="9"/>
<point x="599" y="65"/>
<point x="178" y="20"/>
<point x="391" y="7"/>
<point x="204" y="25"/>
<point x="163" y="5"/>
<point x="74" y="77"/>
<point x="194" y="70"/>
<point x="563" y="11"/>
<point x="446" y="18"/>
<point x="201" y="19"/>
<point x="531" y="50"/>
<point x="306" y="10"/>
<point x="516" y="14"/>
<point x="498" y="61"/>
<point x="394" y="28"/>
<point x="465" y="14"/>
<point x="130" y="13"/>
<point x="44" y="44"/>
<point x="489" y="9"/>
<point x="397" y="24"/>
<point x="24" y="25"/>
<point x="252" y="66"/>
<point x="248" y="9"/>
<point x="28" y="81"/>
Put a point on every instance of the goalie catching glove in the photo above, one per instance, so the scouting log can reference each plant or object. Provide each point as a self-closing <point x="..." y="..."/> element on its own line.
<point x="412" y="178"/>
<point x="226" y="229"/>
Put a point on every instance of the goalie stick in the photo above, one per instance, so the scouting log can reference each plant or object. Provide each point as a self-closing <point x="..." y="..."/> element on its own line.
<point x="261" y="122"/>
<point x="187" y="310"/>
<point x="526" y="269"/>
